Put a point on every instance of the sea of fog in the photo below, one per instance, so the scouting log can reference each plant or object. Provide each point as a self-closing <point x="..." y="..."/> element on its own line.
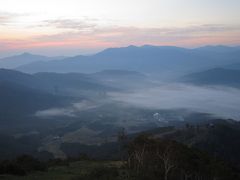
<point x="220" y="101"/>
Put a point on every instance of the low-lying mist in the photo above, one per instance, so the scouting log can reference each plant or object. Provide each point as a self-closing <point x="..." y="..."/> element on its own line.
<point x="69" y="111"/>
<point x="219" y="101"/>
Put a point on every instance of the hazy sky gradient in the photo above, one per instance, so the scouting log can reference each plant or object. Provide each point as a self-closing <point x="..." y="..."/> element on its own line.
<point x="57" y="27"/>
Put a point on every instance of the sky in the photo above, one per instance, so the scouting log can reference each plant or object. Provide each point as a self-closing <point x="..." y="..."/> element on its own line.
<point x="69" y="27"/>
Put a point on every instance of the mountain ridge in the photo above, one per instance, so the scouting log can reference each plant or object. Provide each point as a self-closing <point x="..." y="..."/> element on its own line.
<point x="144" y="59"/>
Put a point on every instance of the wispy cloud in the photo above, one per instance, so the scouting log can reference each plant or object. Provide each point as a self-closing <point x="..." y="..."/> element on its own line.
<point x="87" y="33"/>
<point x="5" y="18"/>
<point x="92" y="26"/>
<point x="84" y="24"/>
<point x="115" y="35"/>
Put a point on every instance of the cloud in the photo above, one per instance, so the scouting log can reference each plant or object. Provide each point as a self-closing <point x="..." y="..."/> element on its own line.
<point x="92" y="28"/>
<point x="72" y="24"/>
<point x="7" y="18"/>
<point x="70" y="111"/>
<point x="167" y="35"/>
<point x="116" y="35"/>
<point x="54" y="112"/>
<point x="218" y="101"/>
<point x="87" y="33"/>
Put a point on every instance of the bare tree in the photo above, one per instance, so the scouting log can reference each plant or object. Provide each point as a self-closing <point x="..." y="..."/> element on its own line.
<point x="167" y="154"/>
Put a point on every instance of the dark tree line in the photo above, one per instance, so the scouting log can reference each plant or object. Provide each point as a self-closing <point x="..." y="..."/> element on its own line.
<point x="22" y="165"/>
<point x="155" y="158"/>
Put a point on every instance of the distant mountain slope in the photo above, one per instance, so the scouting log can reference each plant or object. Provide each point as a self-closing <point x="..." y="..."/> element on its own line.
<point x="146" y="59"/>
<point x="53" y="82"/>
<point x="12" y="146"/>
<point x="16" y="77"/>
<point x="218" y="48"/>
<point x="233" y="66"/>
<point x="70" y="81"/>
<point x="216" y="76"/>
<point x="19" y="101"/>
<point x="123" y="79"/>
<point x="23" y="59"/>
<point x="118" y="74"/>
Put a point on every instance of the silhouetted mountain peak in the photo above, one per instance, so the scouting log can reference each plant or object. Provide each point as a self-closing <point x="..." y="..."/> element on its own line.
<point x="145" y="59"/>
<point x="131" y="46"/>
<point x="217" y="48"/>
<point x="26" y="54"/>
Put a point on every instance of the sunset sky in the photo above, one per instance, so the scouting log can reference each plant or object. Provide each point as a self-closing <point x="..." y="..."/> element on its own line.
<point x="69" y="27"/>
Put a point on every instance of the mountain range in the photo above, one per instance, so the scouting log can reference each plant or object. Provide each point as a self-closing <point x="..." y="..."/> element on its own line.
<point x="147" y="59"/>
<point x="23" y="59"/>
<point x="68" y="105"/>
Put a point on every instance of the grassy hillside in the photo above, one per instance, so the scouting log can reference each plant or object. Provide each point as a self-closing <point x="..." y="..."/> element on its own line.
<point x="73" y="171"/>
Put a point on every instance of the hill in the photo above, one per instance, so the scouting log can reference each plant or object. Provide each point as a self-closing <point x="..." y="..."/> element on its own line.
<point x="18" y="102"/>
<point x="218" y="48"/>
<point x="70" y="83"/>
<point x="63" y="84"/>
<point x="220" y="138"/>
<point x="216" y="76"/>
<point x="123" y="79"/>
<point x="16" y="77"/>
<point x="233" y="66"/>
<point x="23" y="59"/>
<point x="145" y="59"/>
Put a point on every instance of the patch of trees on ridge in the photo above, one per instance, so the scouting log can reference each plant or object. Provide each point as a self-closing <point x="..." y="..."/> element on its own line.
<point x="145" y="157"/>
<point x="156" y="158"/>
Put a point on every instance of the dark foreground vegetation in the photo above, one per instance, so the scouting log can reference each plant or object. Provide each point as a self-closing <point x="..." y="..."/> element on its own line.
<point x="143" y="158"/>
<point x="156" y="158"/>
